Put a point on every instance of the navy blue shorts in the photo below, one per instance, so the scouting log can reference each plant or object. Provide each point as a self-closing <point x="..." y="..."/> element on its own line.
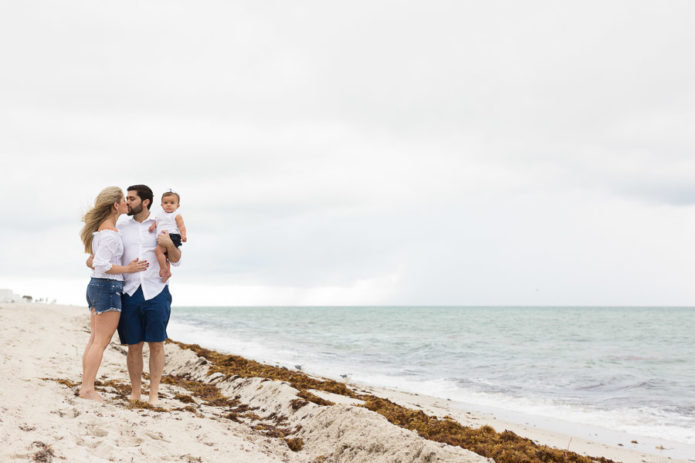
<point x="104" y="295"/>
<point x="143" y="320"/>
<point x="176" y="239"/>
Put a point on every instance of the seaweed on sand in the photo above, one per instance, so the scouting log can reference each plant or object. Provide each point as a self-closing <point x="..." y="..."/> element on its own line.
<point x="504" y="447"/>
<point x="271" y="426"/>
<point x="184" y="398"/>
<point x="234" y="365"/>
<point x="44" y="454"/>
<point x="313" y="398"/>
<point x="142" y="405"/>
<point x="295" y="444"/>
<point x="208" y="393"/>
<point x="296" y="404"/>
<point x="122" y="390"/>
<point x="63" y="381"/>
<point x="187" y="408"/>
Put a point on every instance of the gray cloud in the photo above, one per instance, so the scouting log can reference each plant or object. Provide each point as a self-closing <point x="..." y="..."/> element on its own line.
<point x="458" y="149"/>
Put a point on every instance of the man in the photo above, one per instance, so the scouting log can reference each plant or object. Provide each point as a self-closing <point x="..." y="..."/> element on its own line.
<point x="146" y="298"/>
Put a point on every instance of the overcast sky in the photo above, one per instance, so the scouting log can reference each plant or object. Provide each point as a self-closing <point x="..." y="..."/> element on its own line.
<point x="362" y="152"/>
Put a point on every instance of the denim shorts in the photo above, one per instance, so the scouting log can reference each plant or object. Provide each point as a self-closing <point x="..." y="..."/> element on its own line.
<point x="104" y="295"/>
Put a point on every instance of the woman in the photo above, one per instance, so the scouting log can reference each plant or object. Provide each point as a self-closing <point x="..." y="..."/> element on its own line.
<point x="101" y="239"/>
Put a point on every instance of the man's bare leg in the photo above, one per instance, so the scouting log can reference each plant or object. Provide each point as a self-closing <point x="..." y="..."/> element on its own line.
<point x="135" y="370"/>
<point x="156" y="368"/>
<point x="104" y="326"/>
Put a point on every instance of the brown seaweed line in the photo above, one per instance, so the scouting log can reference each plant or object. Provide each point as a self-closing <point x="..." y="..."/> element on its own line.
<point x="504" y="447"/>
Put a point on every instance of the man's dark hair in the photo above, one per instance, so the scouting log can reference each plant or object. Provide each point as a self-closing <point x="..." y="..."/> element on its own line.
<point x="144" y="193"/>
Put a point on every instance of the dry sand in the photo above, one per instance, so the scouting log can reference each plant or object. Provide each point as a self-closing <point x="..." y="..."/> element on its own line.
<point x="42" y="420"/>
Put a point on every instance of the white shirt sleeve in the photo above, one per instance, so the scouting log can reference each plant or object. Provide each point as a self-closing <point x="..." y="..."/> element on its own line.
<point x="105" y="252"/>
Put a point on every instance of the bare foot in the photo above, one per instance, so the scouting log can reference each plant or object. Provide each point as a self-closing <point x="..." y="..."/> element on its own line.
<point x="133" y="397"/>
<point x="91" y="395"/>
<point x="154" y="401"/>
<point x="164" y="274"/>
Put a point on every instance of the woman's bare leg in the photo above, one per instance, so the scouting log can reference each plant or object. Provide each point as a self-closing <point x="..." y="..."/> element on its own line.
<point x="92" y="319"/>
<point x="105" y="325"/>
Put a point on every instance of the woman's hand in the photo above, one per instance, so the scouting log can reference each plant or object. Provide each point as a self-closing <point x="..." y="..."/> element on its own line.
<point x="137" y="265"/>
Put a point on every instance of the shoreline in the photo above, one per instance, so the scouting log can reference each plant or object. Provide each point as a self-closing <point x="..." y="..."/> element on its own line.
<point x="607" y="427"/>
<point x="490" y="358"/>
<point x="31" y="331"/>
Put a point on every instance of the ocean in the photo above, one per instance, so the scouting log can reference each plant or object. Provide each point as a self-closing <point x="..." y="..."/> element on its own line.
<point x="630" y="369"/>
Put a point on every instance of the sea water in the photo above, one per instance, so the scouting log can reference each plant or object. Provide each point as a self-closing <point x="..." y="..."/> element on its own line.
<point x="629" y="369"/>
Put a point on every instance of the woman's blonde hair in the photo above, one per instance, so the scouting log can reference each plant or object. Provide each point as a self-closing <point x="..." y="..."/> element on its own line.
<point x="103" y="208"/>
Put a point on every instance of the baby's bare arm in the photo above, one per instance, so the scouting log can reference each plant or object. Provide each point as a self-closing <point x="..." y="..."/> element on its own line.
<point x="153" y="226"/>
<point x="182" y="227"/>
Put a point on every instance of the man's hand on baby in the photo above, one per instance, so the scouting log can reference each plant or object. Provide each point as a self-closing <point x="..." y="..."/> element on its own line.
<point x="164" y="240"/>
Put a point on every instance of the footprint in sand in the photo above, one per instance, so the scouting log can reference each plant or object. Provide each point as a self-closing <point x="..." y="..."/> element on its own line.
<point x="96" y="431"/>
<point x="129" y="440"/>
<point x="128" y="437"/>
<point x="83" y="443"/>
<point x="155" y="435"/>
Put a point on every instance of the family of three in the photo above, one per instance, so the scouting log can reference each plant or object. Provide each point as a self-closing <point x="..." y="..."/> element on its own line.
<point x="129" y="290"/>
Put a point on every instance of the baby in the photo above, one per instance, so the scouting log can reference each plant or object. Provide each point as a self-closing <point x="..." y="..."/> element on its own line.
<point x="172" y="222"/>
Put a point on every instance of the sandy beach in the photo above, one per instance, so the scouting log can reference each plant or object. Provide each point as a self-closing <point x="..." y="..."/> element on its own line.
<point x="210" y="413"/>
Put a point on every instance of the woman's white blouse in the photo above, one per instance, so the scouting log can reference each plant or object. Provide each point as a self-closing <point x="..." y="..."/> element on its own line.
<point x="108" y="249"/>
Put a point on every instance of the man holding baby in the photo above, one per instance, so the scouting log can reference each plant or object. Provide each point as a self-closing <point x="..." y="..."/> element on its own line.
<point x="145" y="301"/>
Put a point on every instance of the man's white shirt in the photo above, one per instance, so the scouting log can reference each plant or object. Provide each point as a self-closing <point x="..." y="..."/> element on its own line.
<point x="140" y="243"/>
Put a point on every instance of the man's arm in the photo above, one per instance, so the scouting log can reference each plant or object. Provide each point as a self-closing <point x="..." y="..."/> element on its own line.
<point x="173" y="253"/>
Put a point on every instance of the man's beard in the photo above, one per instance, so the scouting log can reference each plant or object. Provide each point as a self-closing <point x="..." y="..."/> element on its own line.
<point x="133" y="211"/>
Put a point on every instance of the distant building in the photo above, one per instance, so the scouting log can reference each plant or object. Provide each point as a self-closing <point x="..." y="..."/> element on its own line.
<point x="6" y="295"/>
<point x="27" y="298"/>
